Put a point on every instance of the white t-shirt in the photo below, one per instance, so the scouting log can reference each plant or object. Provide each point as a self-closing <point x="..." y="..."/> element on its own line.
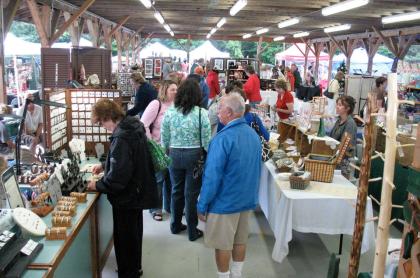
<point x="334" y="87"/>
<point x="32" y="119"/>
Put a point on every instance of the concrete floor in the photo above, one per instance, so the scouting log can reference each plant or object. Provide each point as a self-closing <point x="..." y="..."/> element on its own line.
<point x="166" y="255"/>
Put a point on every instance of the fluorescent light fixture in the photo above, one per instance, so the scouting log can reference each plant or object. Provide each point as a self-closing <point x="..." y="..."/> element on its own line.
<point x="337" y="28"/>
<point x="172" y="33"/>
<point x="146" y="3"/>
<point x="262" y="31"/>
<point x="343" y="6"/>
<point x="300" y="35"/>
<point x="288" y="22"/>
<point x="221" y="22"/>
<point x="159" y="17"/>
<point x="401" y="17"/>
<point x="212" y="31"/>
<point x="280" y="38"/>
<point x="237" y="7"/>
<point x="167" y="28"/>
<point x="246" y="36"/>
<point x="208" y="36"/>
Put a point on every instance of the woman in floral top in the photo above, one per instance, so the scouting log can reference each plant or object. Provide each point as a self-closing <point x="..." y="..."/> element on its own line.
<point x="180" y="135"/>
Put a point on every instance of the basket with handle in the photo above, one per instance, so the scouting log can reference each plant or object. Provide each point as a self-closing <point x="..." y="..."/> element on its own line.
<point x="300" y="180"/>
<point x="322" y="166"/>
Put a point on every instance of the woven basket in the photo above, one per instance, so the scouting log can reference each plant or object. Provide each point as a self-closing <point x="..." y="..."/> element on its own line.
<point x="298" y="182"/>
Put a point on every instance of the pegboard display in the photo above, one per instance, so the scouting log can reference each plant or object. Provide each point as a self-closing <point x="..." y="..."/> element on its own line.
<point x="56" y="120"/>
<point x="124" y="83"/>
<point x="81" y="127"/>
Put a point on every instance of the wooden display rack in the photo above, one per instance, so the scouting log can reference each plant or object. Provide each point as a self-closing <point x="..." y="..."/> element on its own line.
<point x="56" y="124"/>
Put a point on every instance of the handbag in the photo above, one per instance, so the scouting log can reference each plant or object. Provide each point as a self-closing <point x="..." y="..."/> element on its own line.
<point x="266" y="150"/>
<point x="199" y="167"/>
<point x="327" y="93"/>
<point x="160" y="160"/>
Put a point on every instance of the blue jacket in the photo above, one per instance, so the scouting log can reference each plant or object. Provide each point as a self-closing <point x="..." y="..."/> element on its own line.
<point x="249" y="117"/>
<point x="232" y="171"/>
<point x="206" y="91"/>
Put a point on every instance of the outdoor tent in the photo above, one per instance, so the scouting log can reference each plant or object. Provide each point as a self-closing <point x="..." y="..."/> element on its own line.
<point x="159" y="50"/>
<point x="16" y="46"/>
<point x="83" y="42"/>
<point x="207" y="51"/>
<point x="359" y="61"/>
<point x="293" y="54"/>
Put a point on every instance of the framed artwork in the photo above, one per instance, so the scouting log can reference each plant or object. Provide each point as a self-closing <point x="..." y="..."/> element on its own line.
<point x="244" y="63"/>
<point x="158" y="68"/>
<point x="254" y="65"/>
<point x="230" y="63"/>
<point x="148" y="68"/>
<point x="218" y="64"/>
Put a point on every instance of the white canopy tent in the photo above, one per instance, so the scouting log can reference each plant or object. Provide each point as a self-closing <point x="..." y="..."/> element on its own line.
<point x="359" y="61"/>
<point x="207" y="51"/>
<point x="16" y="46"/>
<point x="83" y="42"/>
<point x="159" y="50"/>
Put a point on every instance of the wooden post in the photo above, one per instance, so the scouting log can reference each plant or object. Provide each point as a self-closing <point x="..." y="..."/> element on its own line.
<point x="359" y="223"/>
<point x="107" y="38"/>
<point x="371" y="46"/>
<point x="305" y="65"/>
<point x="331" y="47"/>
<point x="318" y="48"/>
<point x="259" y="48"/>
<point x="118" y="38"/>
<point x="388" y="179"/>
<point x="94" y="32"/>
<point x="40" y="28"/>
<point x="75" y="29"/>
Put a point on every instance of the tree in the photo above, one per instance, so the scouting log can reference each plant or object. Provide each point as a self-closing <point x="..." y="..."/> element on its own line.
<point x="27" y="32"/>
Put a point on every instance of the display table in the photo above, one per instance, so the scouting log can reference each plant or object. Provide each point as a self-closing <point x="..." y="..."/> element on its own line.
<point x="84" y="252"/>
<point x="326" y="208"/>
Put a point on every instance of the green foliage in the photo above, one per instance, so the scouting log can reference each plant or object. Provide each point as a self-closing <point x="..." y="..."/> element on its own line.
<point x="383" y="50"/>
<point x="27" y="32"/>
<point x="342" y="67"/>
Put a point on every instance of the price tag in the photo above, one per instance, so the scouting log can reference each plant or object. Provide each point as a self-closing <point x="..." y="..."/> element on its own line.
<point x="29" y="247"/>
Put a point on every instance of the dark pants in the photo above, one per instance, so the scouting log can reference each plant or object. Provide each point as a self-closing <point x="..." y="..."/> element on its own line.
<point x="163" y="181"/>
<point x="185" y="189"/>
<point x="128" y="237"/>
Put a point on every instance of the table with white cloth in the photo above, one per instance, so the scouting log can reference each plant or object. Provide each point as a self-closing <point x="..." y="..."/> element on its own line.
<point x="325" y="208"/>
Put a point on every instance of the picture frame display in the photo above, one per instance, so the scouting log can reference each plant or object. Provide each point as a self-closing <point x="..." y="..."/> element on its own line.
<point x="230" y="63"/>
<point x="148" y="68"/>
<point x="218" y="64"/>
<point x="158" y="68"/>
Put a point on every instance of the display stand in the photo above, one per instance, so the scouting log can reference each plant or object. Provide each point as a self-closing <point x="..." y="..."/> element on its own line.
<point x="56" y="124"/>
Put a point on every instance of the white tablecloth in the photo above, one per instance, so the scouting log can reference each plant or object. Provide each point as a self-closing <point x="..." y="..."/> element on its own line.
<point x="324" y="209"/>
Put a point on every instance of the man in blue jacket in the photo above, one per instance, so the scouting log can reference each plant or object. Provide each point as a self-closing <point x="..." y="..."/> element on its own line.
<point x="230" y="186"/>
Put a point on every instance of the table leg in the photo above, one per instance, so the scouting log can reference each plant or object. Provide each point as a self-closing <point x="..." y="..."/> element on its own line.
<point x="340" y="248"/>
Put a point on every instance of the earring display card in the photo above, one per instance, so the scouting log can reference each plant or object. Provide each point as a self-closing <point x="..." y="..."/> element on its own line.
<point x="81" y="125"/>
<point x="124" y="83"/>
<point x="56" y="120"/>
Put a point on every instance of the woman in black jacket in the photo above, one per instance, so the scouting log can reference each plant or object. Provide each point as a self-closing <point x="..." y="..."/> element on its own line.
<point x="128" y="181"/>
<point x="145" y="93"/>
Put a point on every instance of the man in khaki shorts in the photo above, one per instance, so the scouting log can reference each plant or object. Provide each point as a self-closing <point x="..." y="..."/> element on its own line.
<point x="230" y="186"/>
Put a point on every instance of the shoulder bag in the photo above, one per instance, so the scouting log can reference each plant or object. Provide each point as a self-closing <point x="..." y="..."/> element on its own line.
<point x="327" y="93"/>
<point x="199" y="167"/>
<point x="266" y="150"/>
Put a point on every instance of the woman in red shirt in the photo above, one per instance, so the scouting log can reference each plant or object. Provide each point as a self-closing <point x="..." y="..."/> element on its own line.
<point x="284" y="105"/>
<point x="213" y="83"/>
<point x="252" y="87"/>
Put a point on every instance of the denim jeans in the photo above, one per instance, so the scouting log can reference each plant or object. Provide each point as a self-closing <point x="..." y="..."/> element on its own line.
<point x="163" y="181"/>
<point x="185" y="189"/>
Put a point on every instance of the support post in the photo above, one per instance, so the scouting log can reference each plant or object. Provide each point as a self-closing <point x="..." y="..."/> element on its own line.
<point x="388" y="176"/>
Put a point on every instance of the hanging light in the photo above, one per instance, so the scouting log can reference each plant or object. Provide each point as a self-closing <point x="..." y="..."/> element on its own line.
<point x="237" y="7"/>
<point x="246" y="36"/>
<point x="159" y="17"/>
<point x="221" y="22"/>
<point x="146" y="3"/>
<point x="280" y="38"/>
<point x="208" y="36"/>
<point x="288" y="22"/>
<point x="337" y="28"/>
<point x="300" y="35"/>
<point x="262" y="31"/>
<point x="167" y="28"/>
<point x="212" y="31"/>
<point x="172" y="33"/>
<point x="343" y="6"/>
<point x="401" y="17"/>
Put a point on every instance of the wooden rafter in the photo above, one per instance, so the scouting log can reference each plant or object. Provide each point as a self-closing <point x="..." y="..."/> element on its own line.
<point x="143" y="42"/>
<point x="118" y="26"/>
<point x="389" y="43"/>
<point x="107" y="39"/>
<point x="68" y="22"/>
<point x="301" y="51"/>
<point x="9" y="14"/>
<point x="337" y="43"/>
<point x="371" y="46"/>
<point x="40" y="28"/>
<point x="128" y="42"/>
<point x="306" y="42"/>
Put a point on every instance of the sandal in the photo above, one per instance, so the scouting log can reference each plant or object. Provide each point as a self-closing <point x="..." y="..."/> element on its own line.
<point x="157" y="216"/>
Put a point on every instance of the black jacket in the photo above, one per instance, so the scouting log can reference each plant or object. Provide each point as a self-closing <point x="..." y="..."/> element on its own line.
<point x="144" y="95"/>
<point x="129" y="179"/>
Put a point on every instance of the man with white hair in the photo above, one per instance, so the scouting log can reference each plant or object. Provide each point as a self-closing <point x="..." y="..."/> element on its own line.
<point x="34" y="123"/>
<point x="230" y="186"/>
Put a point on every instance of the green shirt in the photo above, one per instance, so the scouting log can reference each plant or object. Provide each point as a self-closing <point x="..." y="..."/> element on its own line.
<point x="182" y="131"/>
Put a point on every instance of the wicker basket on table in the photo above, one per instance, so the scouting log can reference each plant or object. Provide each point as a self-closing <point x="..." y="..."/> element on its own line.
<point x="300" y="180"/>
<point x="322" y="168"/>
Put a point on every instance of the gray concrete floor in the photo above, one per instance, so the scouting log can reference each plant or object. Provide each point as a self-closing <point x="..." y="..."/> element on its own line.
<point x="166" y="255"/>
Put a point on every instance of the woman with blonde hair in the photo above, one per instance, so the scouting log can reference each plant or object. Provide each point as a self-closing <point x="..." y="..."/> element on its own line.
<point x="152" y="119"/>
<point x="284" y="104"/>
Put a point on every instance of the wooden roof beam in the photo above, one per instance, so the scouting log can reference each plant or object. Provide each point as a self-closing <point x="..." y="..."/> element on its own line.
<point x="389" y="43"/>
<point x="337" y="44"/>
<point x="118" y="26"/>
<point x="68" y="22"/>
<point x="9" y="14"/>
<point x="132" y="37"/>
<point x="40" y="28"/>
